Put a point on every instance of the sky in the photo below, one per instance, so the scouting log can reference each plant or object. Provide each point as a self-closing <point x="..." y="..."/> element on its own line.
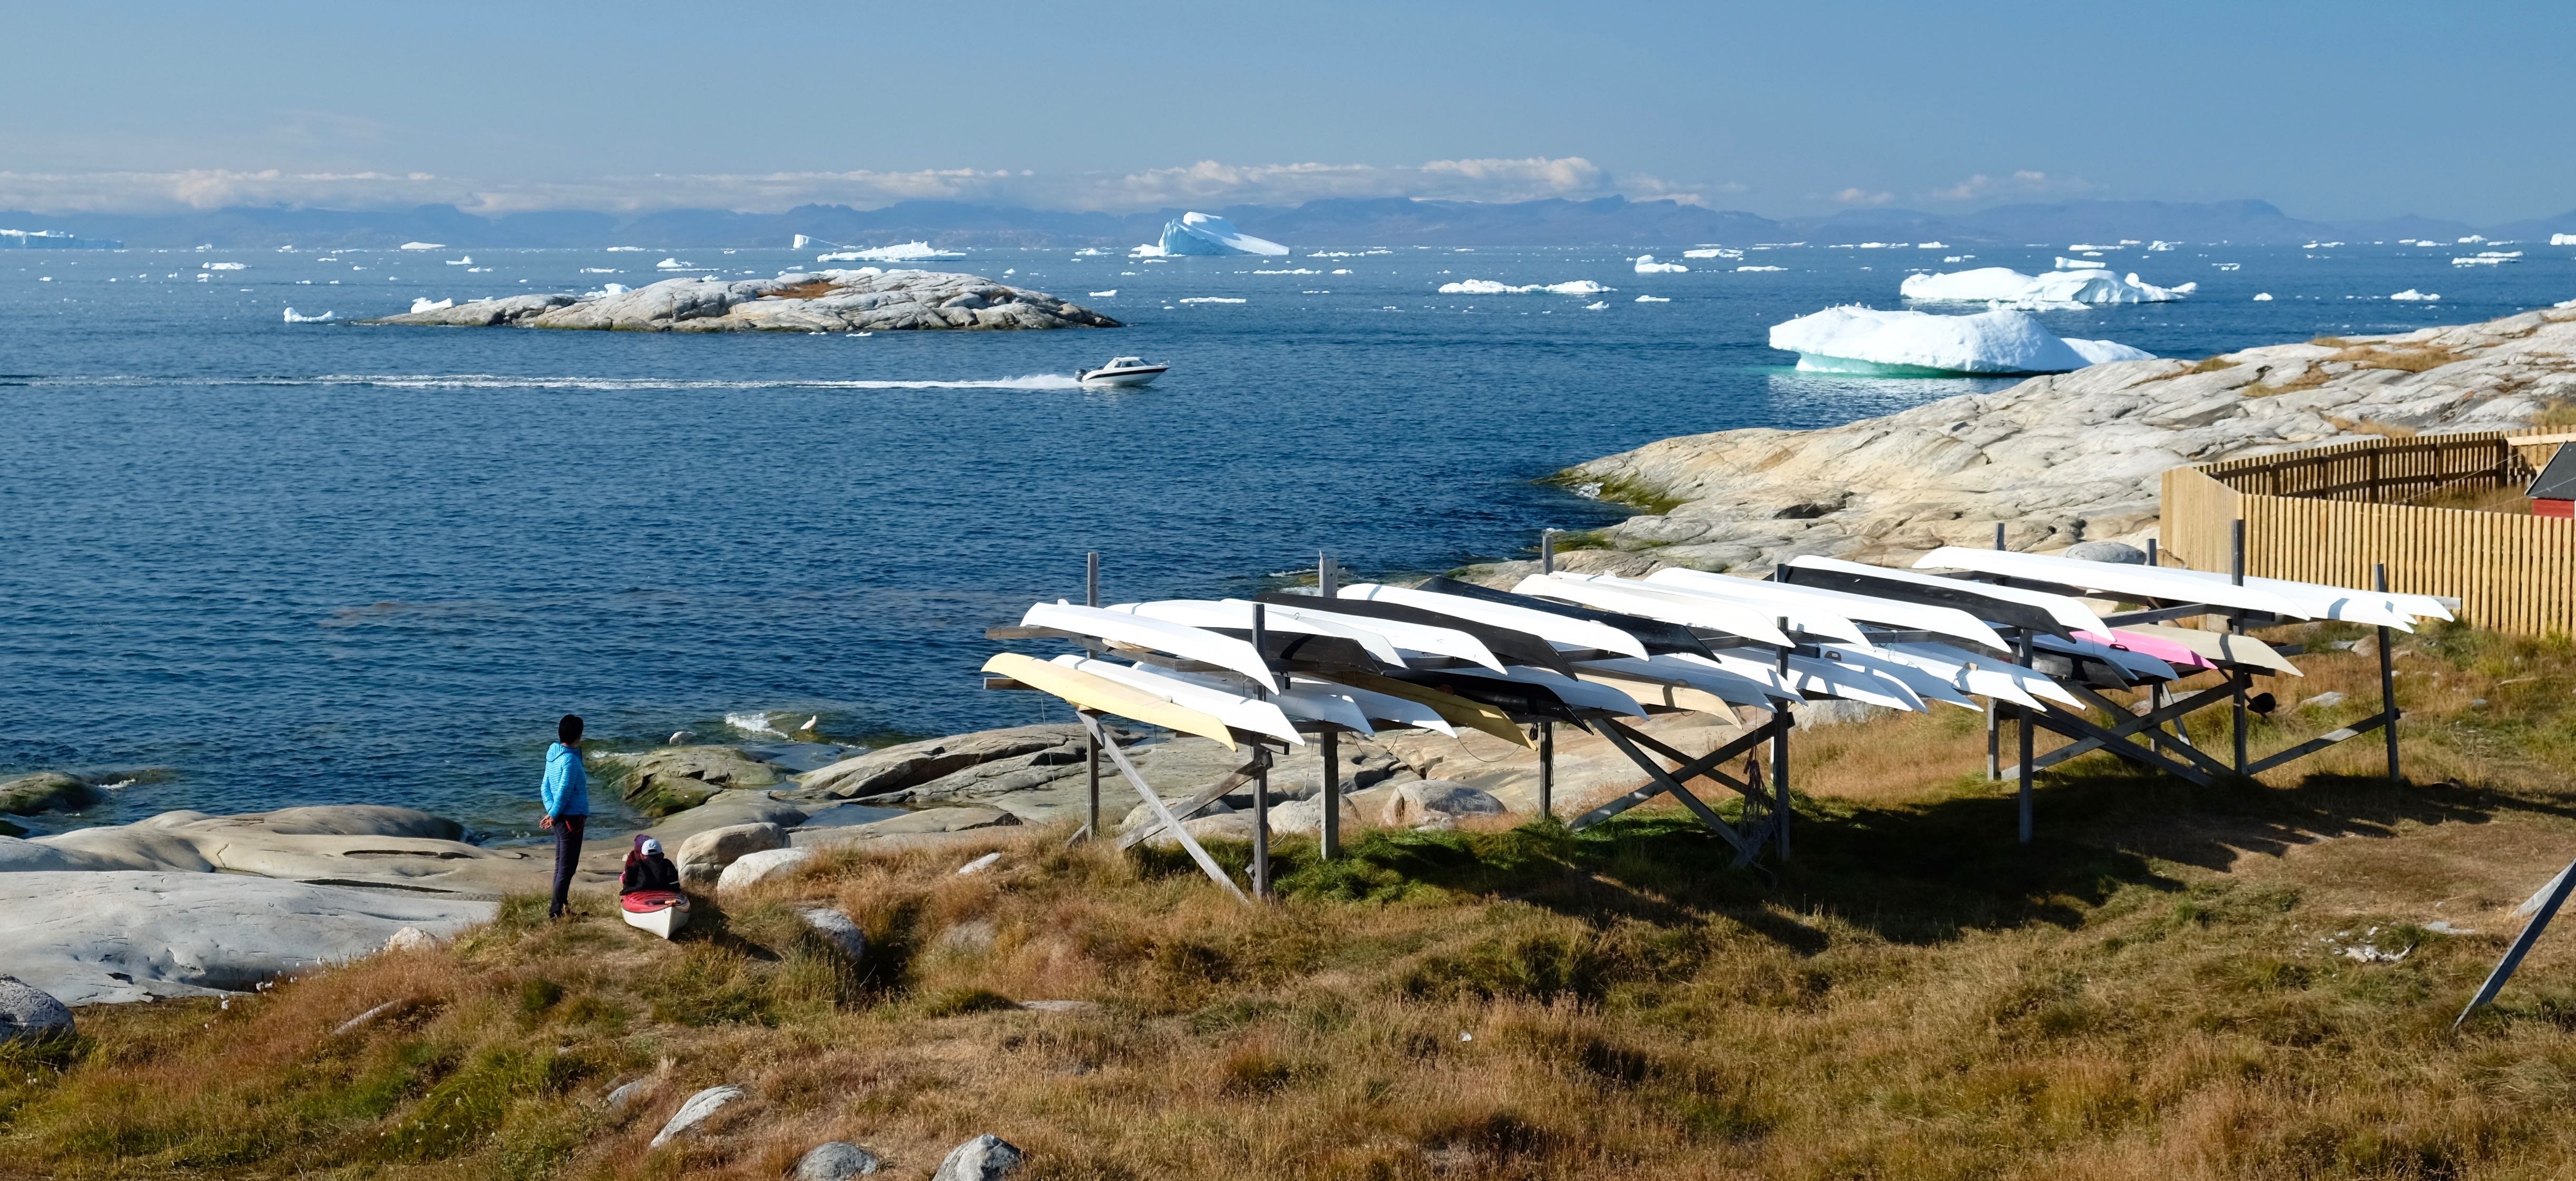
<point x="2332" y="111"/>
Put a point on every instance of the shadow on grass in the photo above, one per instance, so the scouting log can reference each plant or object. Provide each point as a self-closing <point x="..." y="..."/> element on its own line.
<point x="1916" y="873"/>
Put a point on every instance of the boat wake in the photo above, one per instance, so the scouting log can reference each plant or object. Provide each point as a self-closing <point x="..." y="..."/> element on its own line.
<point x="494" y="381"/>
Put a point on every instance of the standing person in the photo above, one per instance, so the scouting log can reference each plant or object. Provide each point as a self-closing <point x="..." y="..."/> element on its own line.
<point x="566" y="796"/>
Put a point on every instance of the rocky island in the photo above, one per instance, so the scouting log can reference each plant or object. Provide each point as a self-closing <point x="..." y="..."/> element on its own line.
<point x="864" y="300"/>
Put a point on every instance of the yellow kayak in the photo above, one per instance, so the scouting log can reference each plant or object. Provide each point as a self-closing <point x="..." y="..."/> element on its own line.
<point x="1091" y="691"/>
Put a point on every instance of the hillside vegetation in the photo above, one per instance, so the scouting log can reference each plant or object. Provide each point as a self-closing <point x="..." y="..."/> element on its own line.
<point x="2173" y="983"/>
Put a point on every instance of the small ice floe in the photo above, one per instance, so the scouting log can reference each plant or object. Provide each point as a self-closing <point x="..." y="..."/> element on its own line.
<point x="1490" y="287"/>
<point x="2227" y="266"/>
<point x="1112" y="293"/>
<point x="2410" y="295"/>
<point x="292" y="317"/>
<point x="1147" y="250"/>
<point x="1294" y="271"/>
<point x="601" y="271"/>
<point x="1594" y="306"/>
<point x="673" y="263"/>
<point x="1211" y="299"/>
<point x="1646" y="265"/>
<point x="2162" y="245"/>
<point x="1712" y="252"/>
<point x="2472" y="240"/>
<point x="424" y="245"/>
<point x="1652" y="299"/>
<point x="2262" y="297"/>
<point x="605" y="290"/>
<point x="1918" y="344"/>
<point x="1089" y="252"/>
<point x="626" y="250"/>
<point x="423" y="304"/>
<point x="466" y="261"/>
<point x="1741" y="270"/>
<point x="2483" y="258"/>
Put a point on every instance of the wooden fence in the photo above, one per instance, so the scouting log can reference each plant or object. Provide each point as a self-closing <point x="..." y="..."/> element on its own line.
<point x="2321" y="515"/>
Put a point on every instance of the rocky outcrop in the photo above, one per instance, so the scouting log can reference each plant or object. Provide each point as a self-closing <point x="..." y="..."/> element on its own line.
<point x="45" y="791"/>
<point x="362" y="844"/>
<point x="864" y="300"/>
<point x="674" y="779"/>
<point x="894" y="768"/>
<point x="2057" y="459"/>
<point x="122" y="935"/>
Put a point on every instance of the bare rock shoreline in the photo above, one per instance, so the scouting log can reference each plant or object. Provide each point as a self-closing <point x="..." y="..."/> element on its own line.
<point x="863" y="300"/>
<point x="2058" y="459"/>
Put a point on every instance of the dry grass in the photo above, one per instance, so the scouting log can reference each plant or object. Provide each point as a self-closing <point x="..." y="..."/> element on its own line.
<point x="2559" y="412"/>
<point x="2411" y="359"/>
<point x="814" y="290"/>
<point x="2143" y="994"/>
<point x="2371" y="426"/>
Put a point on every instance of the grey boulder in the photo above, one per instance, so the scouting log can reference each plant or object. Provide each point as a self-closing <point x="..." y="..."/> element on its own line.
<point x="702" y="858"/>
<point x="696" y="1111"/>
<point x="834" y="1161"/>
<point x="1436" y="802"/>
<point x="836" y="929"/>
<point x="984" y="1158"/>
<point x="2106" y="551"/>
<point x="29" y="1013"/>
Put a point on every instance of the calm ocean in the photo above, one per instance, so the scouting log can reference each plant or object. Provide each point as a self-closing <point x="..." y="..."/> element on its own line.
<point x="248" y="563"/>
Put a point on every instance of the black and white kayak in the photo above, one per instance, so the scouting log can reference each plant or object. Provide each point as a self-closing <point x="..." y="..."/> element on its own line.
<point x="1121" y="371"/>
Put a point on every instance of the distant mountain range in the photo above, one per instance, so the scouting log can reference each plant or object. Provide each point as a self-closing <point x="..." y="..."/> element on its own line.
<point x="1328" y="224"/>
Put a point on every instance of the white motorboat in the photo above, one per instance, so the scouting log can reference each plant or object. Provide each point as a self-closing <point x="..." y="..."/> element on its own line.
<point x="1121" y="371"/>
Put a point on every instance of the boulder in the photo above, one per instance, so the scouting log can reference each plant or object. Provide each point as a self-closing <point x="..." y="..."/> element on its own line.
<point x="702" y="858"/>
<point x="410" y="939"/>
<point x="696" y="1111"/>
<point x="751" y="869"/>
<point x="45" y="791"/>
<point x="1437" y="801"/>
<point x="724" y="810"/>
<point x="897" y="767"/>
<point x="1306" y="817"/>
<point x="674" y="779"/>
<point x="28" y="1013"/>
<point x="2106" y="551"/>
<point x="984" y="1158"/>
<point x="835" y="928"/>
<point x="122" y="935"/>
<point x="1834" y="711"/>
<point x="834" y="1161"/>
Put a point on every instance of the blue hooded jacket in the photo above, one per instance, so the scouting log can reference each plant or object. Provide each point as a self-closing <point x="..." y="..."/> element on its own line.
<point x="567" y="789"/>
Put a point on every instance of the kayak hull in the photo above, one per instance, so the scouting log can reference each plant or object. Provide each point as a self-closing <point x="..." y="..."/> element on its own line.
<point x="662" y="912"/>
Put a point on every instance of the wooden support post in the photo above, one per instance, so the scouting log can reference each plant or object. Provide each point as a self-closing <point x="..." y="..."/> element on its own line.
<point x="1091" y="743"/>
<point x="2387" y="675"/>
<point x="1162" y="814"/>
<point x="1332" y="830"/>
<point x="1547" y="769"/>
<point x="2023" y="725"/>
<point x="2236" y="626"/>
<point x="1261" y="824"/>
<point x="1780" y="722"/>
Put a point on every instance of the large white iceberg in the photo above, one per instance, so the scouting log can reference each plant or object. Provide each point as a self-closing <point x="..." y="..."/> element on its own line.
<point x="1919" y="344"/>
<point x="1490" y="287"/>
<point x="899" y="252"/>
<point x="2006" y="285"/>
<point x="1205" y="234"/>
<point x="293" y="317"/>
<point x="1646" y="265"/>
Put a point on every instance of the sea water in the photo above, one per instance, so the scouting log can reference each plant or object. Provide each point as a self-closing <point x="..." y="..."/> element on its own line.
<point x="246" y="563"/>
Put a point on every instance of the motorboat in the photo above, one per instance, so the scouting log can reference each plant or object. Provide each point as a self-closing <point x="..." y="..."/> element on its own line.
<point x="662" y="912"/>
<point x="1121" y="371"/>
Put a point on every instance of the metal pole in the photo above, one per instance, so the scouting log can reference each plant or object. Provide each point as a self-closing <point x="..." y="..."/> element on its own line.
<point x="2236" y="626"/>
<point x="2387" y="677"/>
<point x="1780" y="751"/>
<point x="2021" y="724"/>
<point x="1547" y="769"/>
<point x="1547" y="551"/>
<point x="2153" y="559"/>
<point x="1090" y="741"/>
<point x="1999" y="535"/>
<point x="1328" y="576"/>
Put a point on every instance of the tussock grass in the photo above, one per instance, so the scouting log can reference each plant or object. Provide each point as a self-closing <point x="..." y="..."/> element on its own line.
<point x="2152" y="991"/>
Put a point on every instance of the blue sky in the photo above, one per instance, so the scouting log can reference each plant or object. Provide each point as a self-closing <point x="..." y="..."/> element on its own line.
<point x="2348" y="110"/>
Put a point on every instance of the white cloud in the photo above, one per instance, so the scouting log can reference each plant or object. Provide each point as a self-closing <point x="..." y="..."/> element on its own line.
<point x="1857" y="196"/>
<point x="1207" y="182"/>
<point x="2023" y="183"/>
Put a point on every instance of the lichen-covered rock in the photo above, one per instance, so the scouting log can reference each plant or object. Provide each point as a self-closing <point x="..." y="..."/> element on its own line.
<point x="2058" y="459"/>
<point x="675" y="779"/>
<point x="863" y="300"/>
<point x="45" y="791"/>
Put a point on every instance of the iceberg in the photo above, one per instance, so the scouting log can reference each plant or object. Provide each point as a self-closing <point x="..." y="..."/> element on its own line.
<point x="1712" y="252"/>
<point x="1652" y="299"/>
<point x="2262" y="297"/>
<point x="1596" y="305"/>
<point x="1109" y="294"/>
<point x="2411" y="295"/>
<point x="424" y="245"/>
<point x="2485" y="258"/>
<point x="1206" y="234"/>
<point x="1919" y="344"/>
<point x="1740" y="270"/>
<point x="1490" y="287"/>
<point x="2088" y="285"/>
<point x="1209" y="299"/>
<point x="423" y="304"/>
<point x="2562" y="239"/>
<point x="293" y="318"/>
<point x="227" y="266"/>
<point x="1646" y="265"/>
<point x="899" y="252"/>
<point x="466" y="261"/>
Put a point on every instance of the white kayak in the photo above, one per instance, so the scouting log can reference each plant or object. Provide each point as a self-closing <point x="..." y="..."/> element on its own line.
<point x="662" y="912"/>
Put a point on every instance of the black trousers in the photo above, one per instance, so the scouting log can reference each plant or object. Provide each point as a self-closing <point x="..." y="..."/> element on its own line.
<point x="567" y="858"/>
